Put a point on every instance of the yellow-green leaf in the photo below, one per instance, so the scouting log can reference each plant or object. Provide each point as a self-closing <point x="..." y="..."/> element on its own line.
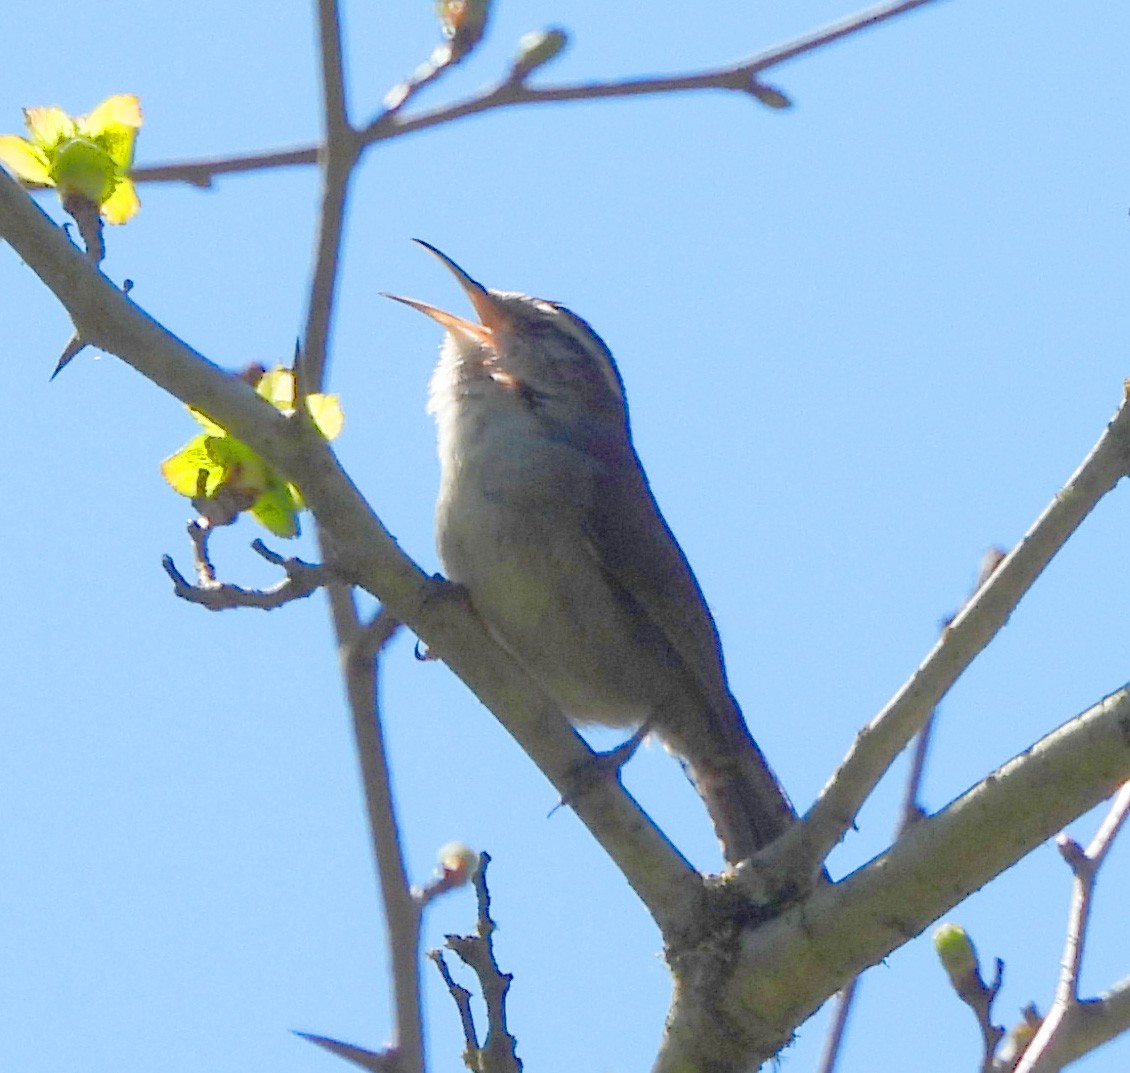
<point x="26" y="161"/>
<point x="325" y="412"/>
<point x="120" y="110"/>
<point x="48" y="126"/>
<point x="277" y="387"/>
<point x="123" y="204"/>
<point x="208" y="424"/>
<point x="277" y="511"/>
<point x="182" y="469"/>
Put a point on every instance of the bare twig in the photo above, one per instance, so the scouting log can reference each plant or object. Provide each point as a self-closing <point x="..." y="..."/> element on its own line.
<point x="337" y="158"/>
<point x="392" y="123"/>
<point x="833" y="1045"/>
<point x="911" y="808"/>
<point x="302" y="579"/>
<point x="877" y="745"/>
<point x="444" y="57"/>
<point x="909" y="814"/>
<point x="360" y="647"/>
<point x="499" y="1052"/>
<point x="1052" y="1047"/>
<point x="462" y="999"/>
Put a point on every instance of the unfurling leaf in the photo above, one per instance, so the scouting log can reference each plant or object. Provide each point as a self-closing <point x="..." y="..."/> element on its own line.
<point x="224" y="477"/>
<point x="86" y="158"/>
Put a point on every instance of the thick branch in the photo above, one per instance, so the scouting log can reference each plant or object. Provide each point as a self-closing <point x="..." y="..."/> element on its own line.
<point x="785" y="969"/>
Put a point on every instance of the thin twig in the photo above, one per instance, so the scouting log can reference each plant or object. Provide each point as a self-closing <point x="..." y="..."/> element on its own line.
<point x="833" y="1045"/>
<point x="302" y="579"/>
<point x="910" y="812"/>
<point x="462" y="999"/>
<point x="360" y="647"/>
<point x="1046" y="1052"/>
<point x="392" y="123"/>
<point x="338" y="158"/>
<point x="499" y="1051"/>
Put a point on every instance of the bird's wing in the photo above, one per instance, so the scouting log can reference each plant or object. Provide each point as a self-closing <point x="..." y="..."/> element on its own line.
<point x="647" y="568"/>
<point x="638" y="552"/>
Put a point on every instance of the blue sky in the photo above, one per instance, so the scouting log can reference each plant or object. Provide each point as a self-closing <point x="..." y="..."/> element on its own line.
<point x="863" y="340"/>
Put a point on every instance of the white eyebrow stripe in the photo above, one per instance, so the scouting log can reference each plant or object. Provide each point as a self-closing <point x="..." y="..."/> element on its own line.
<point x="591" y="343"/>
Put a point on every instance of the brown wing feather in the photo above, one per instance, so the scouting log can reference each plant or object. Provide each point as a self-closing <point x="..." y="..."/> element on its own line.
<point x="637" y="550"/>
<point x="642" y="560"/>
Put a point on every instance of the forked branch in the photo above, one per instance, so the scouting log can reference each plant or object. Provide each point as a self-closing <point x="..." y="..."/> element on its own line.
<point x="393" y="122"/>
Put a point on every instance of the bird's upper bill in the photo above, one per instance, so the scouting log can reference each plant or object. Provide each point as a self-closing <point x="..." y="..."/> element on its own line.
<point x="491" y="315"/>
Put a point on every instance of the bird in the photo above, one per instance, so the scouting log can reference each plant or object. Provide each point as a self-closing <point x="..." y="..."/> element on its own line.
<point x="546" y="518"/>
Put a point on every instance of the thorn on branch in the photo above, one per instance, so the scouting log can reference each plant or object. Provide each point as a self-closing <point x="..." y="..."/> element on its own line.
<point x="387" y="1061"/>
<point x="75" y="344"/>
<point x="71" y="350"/>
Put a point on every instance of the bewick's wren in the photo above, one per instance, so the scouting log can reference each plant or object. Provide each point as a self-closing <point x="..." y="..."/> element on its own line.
<point x="545" y="516"/>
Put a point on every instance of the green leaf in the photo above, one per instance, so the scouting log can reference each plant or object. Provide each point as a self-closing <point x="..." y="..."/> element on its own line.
<point x="25" y="160"/>
<point x="208" y="424"/>
<point x="277" y="387"/>
<point x="182" y="469"/>
<point x="325" y="412"/>
<point x="243" y="469"/>
<point x="277" y="511"/>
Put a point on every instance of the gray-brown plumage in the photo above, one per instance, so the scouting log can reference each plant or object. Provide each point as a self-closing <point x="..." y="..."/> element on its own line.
<point x="545" y="515"/>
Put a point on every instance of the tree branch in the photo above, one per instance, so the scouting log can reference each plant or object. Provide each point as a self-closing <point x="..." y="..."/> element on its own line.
<point x="499" y="1051"/>
<point x="338" y="157"/>
<point x="1047" y="1053"/>
<point x="879" y="743"/>
<point x="392" y="122"/>
<point x="302" y="579"/>
<point x="738" y="1011"/>
<point x="360" y="652"/>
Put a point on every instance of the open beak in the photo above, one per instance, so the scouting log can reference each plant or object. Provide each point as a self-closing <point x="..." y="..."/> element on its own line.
<point x="491" y="316"/>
